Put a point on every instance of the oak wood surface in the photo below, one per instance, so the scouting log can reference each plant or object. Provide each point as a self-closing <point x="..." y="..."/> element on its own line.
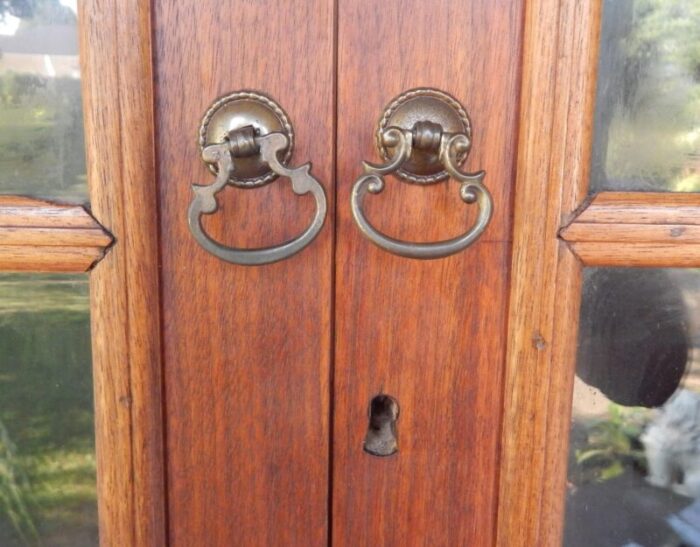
<point x="37" y="235"/>
<point x="559" y="66"/>
<point x="115" y="53"/>
<point x="246" y="349"/>
<point x="429" y="333"/>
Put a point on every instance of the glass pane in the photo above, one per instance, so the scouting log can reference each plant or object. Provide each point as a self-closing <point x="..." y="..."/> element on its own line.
<point x="47" y="452"/>
<point x="634" y="458"/>
<point x="41" y="123"/>
<point x="647" y="121"/>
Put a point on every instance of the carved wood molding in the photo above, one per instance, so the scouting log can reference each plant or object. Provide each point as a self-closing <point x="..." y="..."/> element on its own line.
<point x="37" y="235"/>
<point x="637" y="229"/>
<point x="116" y="65"/>
<point x="557" y="102"/>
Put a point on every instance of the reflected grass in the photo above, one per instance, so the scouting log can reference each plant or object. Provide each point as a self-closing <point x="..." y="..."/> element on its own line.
<point x="41" y="137"/>
<point x="47" y="409"/>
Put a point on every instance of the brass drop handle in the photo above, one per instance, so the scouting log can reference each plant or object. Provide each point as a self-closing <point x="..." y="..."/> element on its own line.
<point x="424" y="153"/>
<point x="253" y="132"/>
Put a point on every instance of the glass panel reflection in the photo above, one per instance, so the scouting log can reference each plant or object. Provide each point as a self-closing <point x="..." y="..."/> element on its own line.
<point x="47" y="455"/>
<point x="41" y="124"/>
<point x="647" y="120"/>
<point x="634" y="459"/>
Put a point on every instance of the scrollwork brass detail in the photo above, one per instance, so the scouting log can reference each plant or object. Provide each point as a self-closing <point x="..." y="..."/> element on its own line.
<point x="450" y="149"/>
<point x="241" y="143"/>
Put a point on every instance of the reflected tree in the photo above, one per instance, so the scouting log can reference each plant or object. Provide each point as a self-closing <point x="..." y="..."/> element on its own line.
<point x="647" y="125"/>
<point x="41" y="124"/>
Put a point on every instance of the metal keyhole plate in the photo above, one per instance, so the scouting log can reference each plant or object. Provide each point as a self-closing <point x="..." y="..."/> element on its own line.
<point x="381" y="438"/>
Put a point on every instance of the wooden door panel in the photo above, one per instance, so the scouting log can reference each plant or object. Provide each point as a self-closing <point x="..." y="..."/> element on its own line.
<point x="429" y="333"/>
<point x="246" y="349"/>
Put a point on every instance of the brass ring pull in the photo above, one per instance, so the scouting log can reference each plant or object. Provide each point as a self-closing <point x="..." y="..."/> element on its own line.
<point x="451" y="148"/>
<point x="244" y="142"/>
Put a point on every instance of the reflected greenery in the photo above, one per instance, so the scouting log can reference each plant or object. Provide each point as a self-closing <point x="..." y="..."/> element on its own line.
<point x="47" y="462"/>
<point x="647" y="126"/>
<point x="635" y="419"/>
<point x="41" y="123"/>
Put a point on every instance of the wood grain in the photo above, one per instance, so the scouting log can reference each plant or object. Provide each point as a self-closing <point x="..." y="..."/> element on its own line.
<point x="24" y="211"/>
<point x="630" y="255"/>
<point x="429" y="333"/>
<point x="640" y="208"/>
<point x="246" y="349"/>
<point x="637" y="229"/>
<point x="623" y="235"/>
<point x="561" y="43"/>
<point x="115" y="50"/>
<point x="37" y="235"/>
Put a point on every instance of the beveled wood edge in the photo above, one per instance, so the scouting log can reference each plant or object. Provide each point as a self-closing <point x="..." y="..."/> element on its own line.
<point x="118" y="97"/>
<point x="637" y="255"/>
<point x="637" y="229"/>
<point x="651" y="208"/>
<point x="557" y="102"/>
<point x="41" y="236"/>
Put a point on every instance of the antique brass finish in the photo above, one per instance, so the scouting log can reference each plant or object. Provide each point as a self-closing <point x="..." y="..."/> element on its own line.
<point x="260" y="153"/>
<point x="437" y="154"/>
<point x="415" y="105"/>
<point x="246" y="109"/>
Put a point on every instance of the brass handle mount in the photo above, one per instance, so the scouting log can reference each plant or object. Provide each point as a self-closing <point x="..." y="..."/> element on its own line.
<point x="424" y="136"/>
<point x="246" y="139"/>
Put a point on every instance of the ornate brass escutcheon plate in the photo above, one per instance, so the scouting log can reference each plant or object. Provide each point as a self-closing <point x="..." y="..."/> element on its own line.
<point x="413" y="106"/>
<point x="246" y="109"/>
<point x="424" y="135"/>
<point x="246" y="140"/>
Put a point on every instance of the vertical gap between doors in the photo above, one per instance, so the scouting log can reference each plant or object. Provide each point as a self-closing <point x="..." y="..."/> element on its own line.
<point x="334" y="246"/>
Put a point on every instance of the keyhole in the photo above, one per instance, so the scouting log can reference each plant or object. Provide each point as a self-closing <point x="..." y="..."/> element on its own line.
<point x="381" y="432"/>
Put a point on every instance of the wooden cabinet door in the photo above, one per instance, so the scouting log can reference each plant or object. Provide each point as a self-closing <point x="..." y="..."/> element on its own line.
<point x="246" y="350"/>
<point x="231" y="402"/>
<point x="429" y="333"/>
<point x="247" y="355"/>
<point x="263" y="375"/>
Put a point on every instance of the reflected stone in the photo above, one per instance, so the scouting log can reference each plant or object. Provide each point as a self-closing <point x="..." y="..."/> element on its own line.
<point x="633" y="335"/>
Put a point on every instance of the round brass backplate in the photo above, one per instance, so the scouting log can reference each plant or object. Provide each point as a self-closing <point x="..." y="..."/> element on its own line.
<point x="235" y="111"/>
<point x="423" y="104"/>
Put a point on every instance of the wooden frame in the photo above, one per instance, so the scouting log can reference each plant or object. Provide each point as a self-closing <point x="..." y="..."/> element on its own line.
<point x="559" y="61"/>
<point x="637" y="229"/>
<point x="116" y="63"/>
<point x="37" y="235"/>
<point x="557" y="232"/>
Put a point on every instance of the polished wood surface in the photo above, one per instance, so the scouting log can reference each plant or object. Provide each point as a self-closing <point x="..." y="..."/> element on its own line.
<point x="559" y="67"/>
<point x="637" y="229"/>
<point x="37" y="235"/>
<point x="428" y="333"/>
<point x="617" y="210"/>
<point x="630" y="255"/>
<point x="246" y="349"/>
<point x="247" y="352"/>
<point x="115" y="54"/>
<point x="648" y="208"/>
<point x="622" y="236"/>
